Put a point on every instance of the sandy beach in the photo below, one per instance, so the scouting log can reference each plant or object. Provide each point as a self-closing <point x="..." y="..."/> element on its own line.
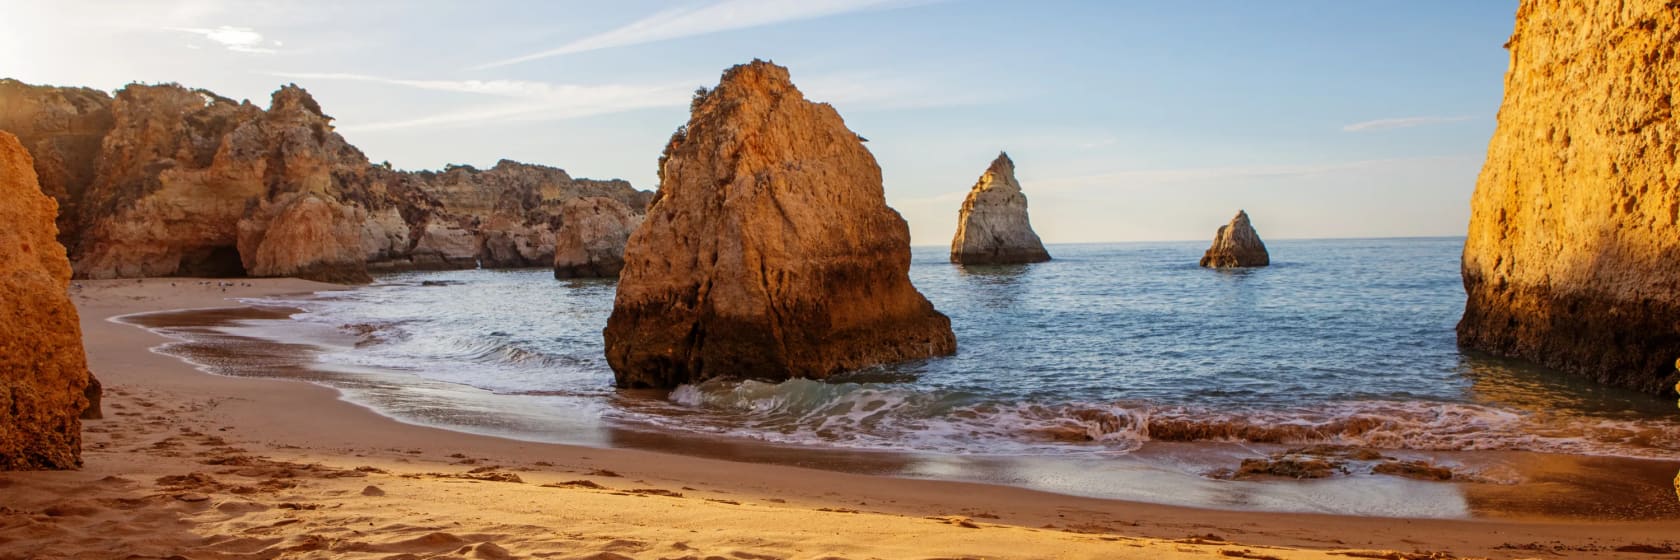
<point x="187" y="464"/>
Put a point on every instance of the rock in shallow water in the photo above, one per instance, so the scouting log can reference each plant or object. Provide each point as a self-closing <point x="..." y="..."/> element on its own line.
<point x="43" y="370"/>
<point x="769" y="251"/>
<point x="1573" y="254"/>
<point x="992" y="227"/>
<point x="1236" y="245"/>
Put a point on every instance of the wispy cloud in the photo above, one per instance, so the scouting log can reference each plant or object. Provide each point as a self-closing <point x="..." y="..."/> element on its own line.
<point x="724" y="15"/>
<point x="237" y="39"/>
<point x="524" y="100"/>
<point x="1403" y="122"/>
<point x="1226" y="174"/>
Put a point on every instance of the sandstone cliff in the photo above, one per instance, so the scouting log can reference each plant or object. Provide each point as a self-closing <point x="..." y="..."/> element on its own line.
<point x="992" y="227"/>
<point x="43" y="371"/>
<point x="591" y="245"/>
<point x="62" y="128"/>
<point x="168" y="181"/>
<point x="769" y="251"/>
<point x="1573" y="253"/>
<point x="1236" y="245"/>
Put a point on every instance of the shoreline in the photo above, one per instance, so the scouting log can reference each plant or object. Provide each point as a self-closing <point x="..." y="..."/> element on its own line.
<point x="165" y="418"/>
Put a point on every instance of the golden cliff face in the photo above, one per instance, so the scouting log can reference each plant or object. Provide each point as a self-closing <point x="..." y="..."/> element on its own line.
<point x="769" y="251"/>
<point x="43" y="371"/>
<point x="1573" y="254"/>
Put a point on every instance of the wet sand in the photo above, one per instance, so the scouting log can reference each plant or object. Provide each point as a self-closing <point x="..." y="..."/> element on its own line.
<point x="204" y="466"/>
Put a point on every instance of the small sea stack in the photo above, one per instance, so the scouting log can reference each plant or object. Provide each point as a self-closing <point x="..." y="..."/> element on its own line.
<point x="593" y="232"/>
<point x="992" y="227"/>
<point x="43" y="371"/>
<point x="1236" y="245"/>
<point x="769" y="251"/>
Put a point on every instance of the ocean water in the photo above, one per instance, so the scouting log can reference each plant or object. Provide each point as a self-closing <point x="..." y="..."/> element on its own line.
<point x="1097" y="353"/>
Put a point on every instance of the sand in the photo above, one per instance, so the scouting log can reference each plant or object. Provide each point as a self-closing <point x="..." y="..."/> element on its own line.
<point x="192" y="465"/>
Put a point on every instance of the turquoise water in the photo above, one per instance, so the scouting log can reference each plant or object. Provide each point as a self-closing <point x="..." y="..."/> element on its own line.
<point x="1100" y="351"/>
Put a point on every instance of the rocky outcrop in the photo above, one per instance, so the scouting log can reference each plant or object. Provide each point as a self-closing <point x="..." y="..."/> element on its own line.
<point x="769" y="250"/>
<point x="992" y="227"/>
<point x="1236" y="245"/>
<point x="1573" y="253"/>
<point x="43" y="371"/>
<point x="591" y="245"/>
<point x="62" y="128"/>
<point x="169" y="181"/>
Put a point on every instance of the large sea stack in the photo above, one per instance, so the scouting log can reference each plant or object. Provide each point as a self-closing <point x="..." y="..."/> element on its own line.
<point x="992" y="227"/>
<point x="769" y="251"/>
<point x="43" y="371"/>
<point x="1236" y="245"/>
<point x="1573" y="254"/>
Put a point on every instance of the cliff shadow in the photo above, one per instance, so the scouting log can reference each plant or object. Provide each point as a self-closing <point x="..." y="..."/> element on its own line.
<point x="212" y="262"/>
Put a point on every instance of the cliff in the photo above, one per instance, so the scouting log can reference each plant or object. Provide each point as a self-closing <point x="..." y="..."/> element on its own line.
<point x="769" y="251"/>
<point x="168" y="181"/>
<point x="1236" y="245"/>
<point x="43" y="370"/>
<point x="592" y="243"/>
<point x="1573" y="253"/>
<point x="992" y="227"/>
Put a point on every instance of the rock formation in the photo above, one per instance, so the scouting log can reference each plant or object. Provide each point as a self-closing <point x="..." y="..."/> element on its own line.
<point x="591" y="245"/>
<point x="769" y="251"/>
<point x="43" y="371"/>
<point x="1573" y="253"/>
<point x="1236" y="245"/>
<point x="992" y="227"/>
<point x="169" y="181"/>
<point x="62" y="128"/>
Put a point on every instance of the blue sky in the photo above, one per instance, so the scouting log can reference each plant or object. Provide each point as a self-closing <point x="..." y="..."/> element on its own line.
<point x="1126" y="120"/>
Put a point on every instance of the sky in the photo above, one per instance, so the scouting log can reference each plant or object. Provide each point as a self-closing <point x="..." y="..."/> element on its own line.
<point x="1127" y="120"/>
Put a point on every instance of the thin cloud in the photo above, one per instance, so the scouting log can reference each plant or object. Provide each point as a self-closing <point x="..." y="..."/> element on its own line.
<point x="724" y="15"/>
<point x="529" y="101"/>
<point x="236" y="39"/>
<point x="1224" y="174"/>
<point x="1403" y="122"/>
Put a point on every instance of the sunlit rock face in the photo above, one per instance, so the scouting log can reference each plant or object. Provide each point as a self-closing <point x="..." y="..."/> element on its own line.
<point x="1573" y="254"/>
<point x="62" y="128"/>
<point x="1236" y="245"/>
<point x="769" y="251"/>
<point x="44" y="378"/>
<point x="992" y="227"/>
<point x="591" y="243"/>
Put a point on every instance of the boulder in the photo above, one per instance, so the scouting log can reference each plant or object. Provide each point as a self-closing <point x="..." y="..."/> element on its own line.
<point x="43" y="371"/>
<point x="1573" y="254"/>
<point x="1236" y="245"/>
<point x="769" y="251"/>
<point x="593" y="233"/>
<point x="992" y="227"/>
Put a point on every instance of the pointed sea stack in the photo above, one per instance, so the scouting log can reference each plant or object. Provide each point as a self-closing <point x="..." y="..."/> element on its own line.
<point x="769" y="251"/>
<point x="1573" y="254"/>
<point x="1236" y="245"/>
<point x="992" y="227"/>
<point x="43" y="370"/>
<point x="593" y="232"/>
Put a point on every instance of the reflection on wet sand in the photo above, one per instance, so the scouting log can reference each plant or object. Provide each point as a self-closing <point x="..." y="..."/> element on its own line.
<point x="260" y="341"/>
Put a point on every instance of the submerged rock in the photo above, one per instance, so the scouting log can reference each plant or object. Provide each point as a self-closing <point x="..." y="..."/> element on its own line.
<point x="43" y="370"/>
<point x="769" y="250"/>
<point x="592" y="237"/>
<point x="992" y="227"/>
<point x="1573" y="253"/>
<point x="1236" y="245"/>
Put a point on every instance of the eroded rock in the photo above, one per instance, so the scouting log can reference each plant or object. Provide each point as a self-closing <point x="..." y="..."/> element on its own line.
<point x="43" y="370"/>
<point x="1236" y="245"/>
<point x="769" y="251"/>
<point x="1573" y="253"/>
<point x="591" y="244"/>
<point x="993" y="227"/>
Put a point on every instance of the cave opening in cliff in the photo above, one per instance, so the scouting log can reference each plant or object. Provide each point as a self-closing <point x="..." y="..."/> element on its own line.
<point x="212" y="262"/>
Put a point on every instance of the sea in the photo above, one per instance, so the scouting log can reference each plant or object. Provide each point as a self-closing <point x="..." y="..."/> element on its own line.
<point x="1125" y="358"/>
